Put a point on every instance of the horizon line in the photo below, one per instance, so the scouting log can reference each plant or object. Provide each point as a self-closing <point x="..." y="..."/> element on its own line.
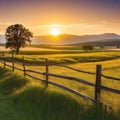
<point x="71" y="34"/>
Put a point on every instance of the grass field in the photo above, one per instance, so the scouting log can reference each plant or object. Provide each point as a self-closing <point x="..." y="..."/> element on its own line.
<point x="66" y="57"/>
<point x="29" y="96"/>
<point x="27" y="99"/>
<point x="111" y="68"/>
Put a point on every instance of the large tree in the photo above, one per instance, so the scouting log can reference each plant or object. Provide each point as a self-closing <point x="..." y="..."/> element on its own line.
<point x="17" y="36"/>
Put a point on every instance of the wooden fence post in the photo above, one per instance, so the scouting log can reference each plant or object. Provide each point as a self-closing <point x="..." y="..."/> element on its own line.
<point x="4" y="63"/>
<point x="2" y="53"/>
<point x="13" y="61"/>
<point x="98" y="83"/>
<point x="23" y="61"/>
<point x="47" y="70"/>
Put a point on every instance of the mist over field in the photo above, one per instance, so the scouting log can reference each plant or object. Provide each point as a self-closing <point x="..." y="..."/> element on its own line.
<point x="73" y="39"/>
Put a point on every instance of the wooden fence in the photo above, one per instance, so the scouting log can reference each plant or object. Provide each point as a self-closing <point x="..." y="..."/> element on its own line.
<point x="97" y="85"/>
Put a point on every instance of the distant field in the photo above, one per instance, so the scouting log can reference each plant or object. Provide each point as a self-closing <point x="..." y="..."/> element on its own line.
<point x="48" y="48"/>
<point x="2" y="48"/>
<point x="67" y="57"/>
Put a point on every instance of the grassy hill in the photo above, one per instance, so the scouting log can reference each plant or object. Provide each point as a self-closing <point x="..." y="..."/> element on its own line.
<point x="66" y="57"/>
<point x="105" y="42"/>
<point x="27" y="99"/>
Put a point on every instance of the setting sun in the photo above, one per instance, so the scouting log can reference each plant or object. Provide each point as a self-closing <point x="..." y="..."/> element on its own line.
<point x="55" y="32"/>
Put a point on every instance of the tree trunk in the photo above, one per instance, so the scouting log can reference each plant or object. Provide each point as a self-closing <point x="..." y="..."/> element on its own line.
<point x="17" y="50"/>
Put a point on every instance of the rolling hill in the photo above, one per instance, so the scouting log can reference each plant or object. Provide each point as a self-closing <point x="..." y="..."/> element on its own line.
<point x="106" y="38"/>
<point x="101" y="43"/>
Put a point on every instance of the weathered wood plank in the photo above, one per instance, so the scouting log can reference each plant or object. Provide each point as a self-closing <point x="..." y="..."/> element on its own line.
<point x="33" y="71"/>
<point x="23" y="61"/>
<point x="4" y="63"/>
<point x="110" y="89"/>
<point x="72" y="78"/>
<point x="109" y="77"/>
<point x="8" y="65"/>
<point x="98" y="83"/>
<point x="12" y="61"/>
<point x="74" y="69"/>
<point x="18" y="69"/>
<point x="35" y="77"/>
<point x="65" y="88"/>
<point x="72" y="91"/>
<point x="47" y="70"/>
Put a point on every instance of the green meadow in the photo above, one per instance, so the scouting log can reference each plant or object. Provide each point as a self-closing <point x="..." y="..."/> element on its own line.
<point x="65" y="56"/>
<point x="32" y="100"/>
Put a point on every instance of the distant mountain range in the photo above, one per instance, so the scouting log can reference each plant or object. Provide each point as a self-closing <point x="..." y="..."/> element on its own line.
<point x="101" y="39"/>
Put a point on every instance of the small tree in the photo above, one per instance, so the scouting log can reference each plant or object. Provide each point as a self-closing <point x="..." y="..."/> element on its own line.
<point x="117" y="46"/>
<point x="17" y="36"/>
<point x="87" y="47"/>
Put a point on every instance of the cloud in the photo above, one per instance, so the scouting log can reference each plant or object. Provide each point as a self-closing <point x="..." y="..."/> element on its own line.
<point x="65" y="26"/>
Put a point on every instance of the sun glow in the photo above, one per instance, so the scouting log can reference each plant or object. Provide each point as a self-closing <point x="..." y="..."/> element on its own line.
<point x="55" y="31"/>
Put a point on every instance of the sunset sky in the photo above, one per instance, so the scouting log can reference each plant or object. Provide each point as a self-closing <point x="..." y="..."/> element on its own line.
<point x="77" y="17"/>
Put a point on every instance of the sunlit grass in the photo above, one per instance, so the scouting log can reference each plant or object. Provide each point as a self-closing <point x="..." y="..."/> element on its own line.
<point x="110" y="68"/>
<point x="30" y="99"/>
<point x="110" y="61"/>
<point x="34" y="101"/>
<point x="65" y="58"/>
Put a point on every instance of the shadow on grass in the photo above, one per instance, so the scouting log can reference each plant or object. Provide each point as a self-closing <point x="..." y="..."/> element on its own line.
<point x="10" y="82"/>
<point x="37" y="103"/>
<point x="41" y="103"/>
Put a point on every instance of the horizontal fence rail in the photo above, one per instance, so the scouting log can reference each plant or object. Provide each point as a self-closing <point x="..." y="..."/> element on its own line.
<point x="18" y="68"/>
<point x="93" y="73"/>
<point x="97" y="85"/>
<point x="109" y="77"/>
<point x="33" y="71"/>
<point x="35" y="77"/>
<point x="8" y="65"/>
<point x="10" y="60"/>
<point x="72" y="91"/>
<point x="110" y="89"/>
<point x="71" y="78"/>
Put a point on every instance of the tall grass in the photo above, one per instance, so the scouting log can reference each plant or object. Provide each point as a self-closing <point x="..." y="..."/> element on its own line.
<point x="27" y="99"/>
